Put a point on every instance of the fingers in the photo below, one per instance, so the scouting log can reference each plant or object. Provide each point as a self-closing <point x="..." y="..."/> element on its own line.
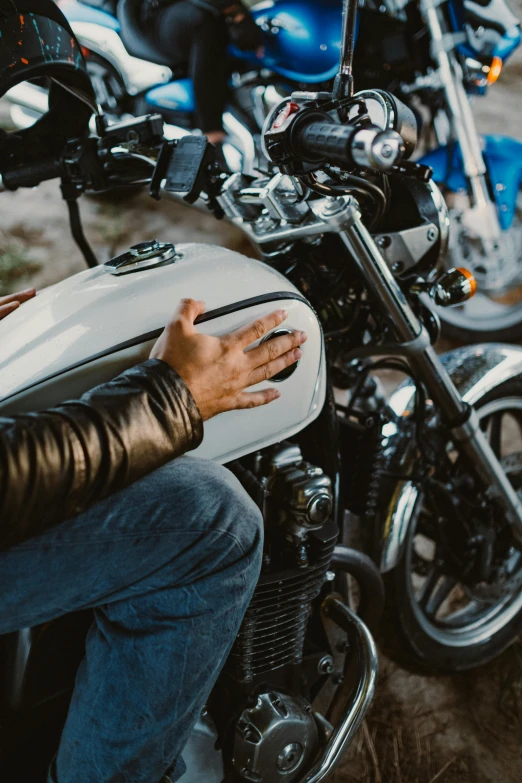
<point x="267" y="371"/>
<point x="21" y="296"/>
<point x="5" y="309"/>
<point x="273" y="349"/>
<point x="187" y="312"/>
<point x="255" y="399"/>
<point x="257" y="329"/>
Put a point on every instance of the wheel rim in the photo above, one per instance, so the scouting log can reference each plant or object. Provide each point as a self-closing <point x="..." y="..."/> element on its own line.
<point x="449" y="612"/>
<point x="482" y="314"/>
<point x="500" y="307"/>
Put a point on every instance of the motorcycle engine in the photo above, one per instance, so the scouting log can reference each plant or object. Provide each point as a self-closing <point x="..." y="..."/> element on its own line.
<point x="274" y="734"/>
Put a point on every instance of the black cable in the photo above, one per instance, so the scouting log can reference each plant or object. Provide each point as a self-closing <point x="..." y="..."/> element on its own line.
<point x="348" y="185"/>
<point x="70" y="196"/>
<point x="359" y="182"/>
<point x="349" y="326"/>
<point x="78" y="235"/>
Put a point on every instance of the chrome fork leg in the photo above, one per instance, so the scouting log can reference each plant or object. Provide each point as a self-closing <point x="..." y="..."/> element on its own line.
<point x="487" y="224"/>
<point x="455" y="413"/>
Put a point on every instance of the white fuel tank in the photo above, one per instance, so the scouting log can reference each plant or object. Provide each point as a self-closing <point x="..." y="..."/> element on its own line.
<point x="87" y="329"/>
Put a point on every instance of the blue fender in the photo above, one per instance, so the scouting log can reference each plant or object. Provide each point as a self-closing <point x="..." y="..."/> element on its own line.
<point x="174" y="96"/>
<point x="503" y="158"/>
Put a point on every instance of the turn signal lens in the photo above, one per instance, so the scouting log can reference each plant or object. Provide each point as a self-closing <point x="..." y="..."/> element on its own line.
<point x="454" y="287"/>
<point x="494" y="70"/>
<point x="470" y="278"/>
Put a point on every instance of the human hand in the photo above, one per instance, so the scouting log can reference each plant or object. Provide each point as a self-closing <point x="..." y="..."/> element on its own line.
<point x="217" y="370"/>
<point x="9" y="304"/>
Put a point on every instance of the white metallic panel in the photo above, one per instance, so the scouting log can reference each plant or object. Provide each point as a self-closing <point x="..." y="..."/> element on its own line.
<point x="49" y="348"/>
<point x="138" y="75"/>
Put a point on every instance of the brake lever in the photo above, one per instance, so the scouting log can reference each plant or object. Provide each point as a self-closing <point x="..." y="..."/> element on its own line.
<point x="407" y="168"/>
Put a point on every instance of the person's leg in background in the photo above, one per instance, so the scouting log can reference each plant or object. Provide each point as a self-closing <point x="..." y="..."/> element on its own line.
<point x="170" y="565"/>
<point x="192" y="35"/>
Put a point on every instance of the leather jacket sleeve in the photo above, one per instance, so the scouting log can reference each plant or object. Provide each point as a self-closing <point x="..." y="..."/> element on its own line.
<point x="56" y="463"/>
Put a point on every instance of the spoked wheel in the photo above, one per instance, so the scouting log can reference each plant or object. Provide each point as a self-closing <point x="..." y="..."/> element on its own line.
<point x="450" y="620"/>
<point x="495" y="312"/>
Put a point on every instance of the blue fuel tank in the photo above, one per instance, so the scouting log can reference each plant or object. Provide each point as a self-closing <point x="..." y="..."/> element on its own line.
<point x="302" y="38"/>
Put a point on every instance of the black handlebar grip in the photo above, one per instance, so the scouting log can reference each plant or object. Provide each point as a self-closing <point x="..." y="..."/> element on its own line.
<point x="325" y="141"/>
<point x="31" y="175"/>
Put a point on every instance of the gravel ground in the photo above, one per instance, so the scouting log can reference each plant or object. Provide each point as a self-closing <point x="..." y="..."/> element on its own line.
<point x="461" y="729"/>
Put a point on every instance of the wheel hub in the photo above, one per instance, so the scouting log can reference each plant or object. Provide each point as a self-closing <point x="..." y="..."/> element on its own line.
<point x="494" y="263"/>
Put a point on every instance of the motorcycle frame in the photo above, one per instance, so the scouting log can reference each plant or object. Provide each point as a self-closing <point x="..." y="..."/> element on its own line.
<point x="483" y="217"/>
<point x="341" y="215"/>
<point x="456" y="415"/>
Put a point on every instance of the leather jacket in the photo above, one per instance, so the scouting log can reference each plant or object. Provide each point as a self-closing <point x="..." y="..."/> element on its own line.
<point x="57" y="463"/>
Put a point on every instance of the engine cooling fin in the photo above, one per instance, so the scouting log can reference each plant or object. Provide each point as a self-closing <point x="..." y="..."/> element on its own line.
<point x="274" y="627"/>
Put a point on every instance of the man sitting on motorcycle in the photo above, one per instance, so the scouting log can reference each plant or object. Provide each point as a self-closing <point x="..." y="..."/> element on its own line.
<point x="98" y="509"/>
<point x="197" y="32"/>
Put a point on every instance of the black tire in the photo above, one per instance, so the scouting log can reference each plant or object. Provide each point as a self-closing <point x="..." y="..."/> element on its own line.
<point x="465" y="334"/>
<point x="405" y="639"/>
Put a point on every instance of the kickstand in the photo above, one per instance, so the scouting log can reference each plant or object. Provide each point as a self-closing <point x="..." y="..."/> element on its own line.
<point x="70" y="195"/>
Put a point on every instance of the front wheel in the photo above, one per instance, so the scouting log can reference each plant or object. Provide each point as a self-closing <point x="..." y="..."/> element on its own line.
<point x="494" y="314"/>
<point x="437" y="617"/>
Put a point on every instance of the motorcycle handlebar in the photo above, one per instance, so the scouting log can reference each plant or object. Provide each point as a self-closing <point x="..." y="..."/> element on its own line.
<point x="368" y="147"/>
<point x="35" y="173"/>
<point x="30" y="176"/>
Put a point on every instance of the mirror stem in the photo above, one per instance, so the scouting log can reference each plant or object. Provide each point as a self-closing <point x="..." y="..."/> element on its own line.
<point x="343" y="85"/>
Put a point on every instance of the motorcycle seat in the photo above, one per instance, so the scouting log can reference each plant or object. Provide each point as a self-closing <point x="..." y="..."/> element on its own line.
<point x="135" y="39"/>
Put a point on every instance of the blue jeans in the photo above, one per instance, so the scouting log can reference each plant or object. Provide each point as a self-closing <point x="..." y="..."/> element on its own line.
<point x="169" y="566"/>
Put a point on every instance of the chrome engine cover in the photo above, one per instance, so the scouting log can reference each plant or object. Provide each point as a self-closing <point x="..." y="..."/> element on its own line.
<point x="275" y="739"/>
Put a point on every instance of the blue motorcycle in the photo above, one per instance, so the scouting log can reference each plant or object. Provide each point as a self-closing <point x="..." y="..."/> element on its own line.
<point x="434" y="56"/>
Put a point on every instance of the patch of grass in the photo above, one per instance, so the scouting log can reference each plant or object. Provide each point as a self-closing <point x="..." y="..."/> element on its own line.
<point x="27" y="235"/>
<point x="16" y="267"/>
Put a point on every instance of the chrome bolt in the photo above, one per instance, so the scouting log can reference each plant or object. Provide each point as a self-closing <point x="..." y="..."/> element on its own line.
<point x="333" y="206"/>
<point x="326" y="665"/>
<point x="290" y="757"/>
<point x="432" y="234"/>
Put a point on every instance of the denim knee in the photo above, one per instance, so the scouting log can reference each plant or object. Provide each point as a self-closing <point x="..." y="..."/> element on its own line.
<point x="232" y="510"/>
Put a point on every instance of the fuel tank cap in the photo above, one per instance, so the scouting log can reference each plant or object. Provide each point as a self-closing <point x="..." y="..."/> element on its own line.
<point x="144" y="255"/>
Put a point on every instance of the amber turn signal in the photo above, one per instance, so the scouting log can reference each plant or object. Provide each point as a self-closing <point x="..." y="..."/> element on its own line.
<point x="454" y="287"/>
<point x="494" y="70"/>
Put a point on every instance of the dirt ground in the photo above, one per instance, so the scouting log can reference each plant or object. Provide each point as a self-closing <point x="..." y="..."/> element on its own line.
<point x="460" y="729"/>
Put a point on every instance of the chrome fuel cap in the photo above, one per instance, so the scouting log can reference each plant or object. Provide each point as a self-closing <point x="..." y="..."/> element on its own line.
<point x="144" y="255"/>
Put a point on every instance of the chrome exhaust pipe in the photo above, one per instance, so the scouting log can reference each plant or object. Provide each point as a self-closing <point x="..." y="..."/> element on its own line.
<point x="365" y="676"/>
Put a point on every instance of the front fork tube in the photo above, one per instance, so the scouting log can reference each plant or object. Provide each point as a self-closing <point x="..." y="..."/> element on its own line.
<point x="461" y="420"/>
<point x="461" y="116"/>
